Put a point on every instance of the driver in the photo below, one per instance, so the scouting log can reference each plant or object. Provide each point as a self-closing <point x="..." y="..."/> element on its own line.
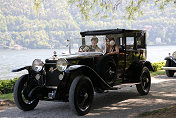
<point x="94" y="47"/>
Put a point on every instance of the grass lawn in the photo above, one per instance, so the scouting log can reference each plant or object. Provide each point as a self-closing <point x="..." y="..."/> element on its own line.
<point x="8" y="96"/>
<point x="166" y="112"/>
<point x="159" y="72"/>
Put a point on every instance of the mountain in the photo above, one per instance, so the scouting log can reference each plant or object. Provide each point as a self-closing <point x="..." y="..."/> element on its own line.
<point x="55" y="21"/>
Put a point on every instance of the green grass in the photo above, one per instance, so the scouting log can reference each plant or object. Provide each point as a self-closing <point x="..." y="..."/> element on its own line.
<point x="159" y="72"/>
<point x="8" y="96"/>
<point x="154" y="112"/>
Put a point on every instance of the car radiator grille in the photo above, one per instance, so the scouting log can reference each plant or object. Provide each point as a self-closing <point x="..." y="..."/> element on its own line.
<point x="52" y="74"/>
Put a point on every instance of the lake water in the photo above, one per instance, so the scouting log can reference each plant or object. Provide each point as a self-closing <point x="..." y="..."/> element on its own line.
<point x="11" y="59"/>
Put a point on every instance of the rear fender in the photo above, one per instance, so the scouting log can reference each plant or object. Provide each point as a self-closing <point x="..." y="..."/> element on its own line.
<point x="172" y="61"/>
<point x="134" y="72"/>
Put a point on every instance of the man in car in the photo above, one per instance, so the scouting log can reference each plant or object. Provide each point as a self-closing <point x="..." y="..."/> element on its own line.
<point x="94" y="47"/>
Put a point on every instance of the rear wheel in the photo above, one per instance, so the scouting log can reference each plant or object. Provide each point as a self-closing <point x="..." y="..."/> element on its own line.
<point x="20" y="95"/>
<point x="169" y="73"/>
<point x="81" y="95"/>
<point x="145" y="82"/>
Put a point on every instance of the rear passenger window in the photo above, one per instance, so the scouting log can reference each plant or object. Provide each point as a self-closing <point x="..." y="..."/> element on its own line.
<point x="130" y="42"/>
<point x="140" y="41"/>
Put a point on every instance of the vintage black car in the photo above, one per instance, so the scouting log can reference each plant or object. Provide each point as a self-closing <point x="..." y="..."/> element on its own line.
<point x="75" y="77"/>
<point x="170" y="66"/>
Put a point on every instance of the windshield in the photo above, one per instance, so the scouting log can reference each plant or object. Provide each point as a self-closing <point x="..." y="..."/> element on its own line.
<point x="96" y="43"/>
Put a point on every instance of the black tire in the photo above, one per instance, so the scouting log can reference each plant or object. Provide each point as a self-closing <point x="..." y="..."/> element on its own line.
<point x="81" y="95"/>
<point x="106" y="68"/>
<point x="99" y="90"/>
<point x="169" y="73"/>
<point x="145" y="82"/>
<point x="20" y="101"/>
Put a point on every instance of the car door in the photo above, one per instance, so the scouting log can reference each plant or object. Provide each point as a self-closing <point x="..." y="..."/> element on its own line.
<point x="131" y="50"/>
<point x="120" y="61"/>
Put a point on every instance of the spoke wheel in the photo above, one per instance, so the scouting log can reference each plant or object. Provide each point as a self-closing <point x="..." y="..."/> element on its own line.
<point x="110" y="72"/>
<point x="21" y="96"/>
<point x="106" y="68"/>
<point x="145" y="82"/>
<point x="81" y="95"/>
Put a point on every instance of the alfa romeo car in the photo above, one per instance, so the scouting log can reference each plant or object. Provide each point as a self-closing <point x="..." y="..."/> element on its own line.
<point x="170" y="66"/>
<point x="76" y="77"/>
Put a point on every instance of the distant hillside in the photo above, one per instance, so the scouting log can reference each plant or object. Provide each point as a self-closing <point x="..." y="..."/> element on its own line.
<point x="55" y="21"/>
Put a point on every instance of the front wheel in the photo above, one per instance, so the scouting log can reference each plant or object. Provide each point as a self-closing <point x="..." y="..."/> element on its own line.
<point x="81" y="95"/>
<point x="145" y="82"/>
<point x="20" y="95"/>
<point x="169" y="73"/>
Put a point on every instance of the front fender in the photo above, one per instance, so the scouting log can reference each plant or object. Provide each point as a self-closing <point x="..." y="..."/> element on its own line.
<point x="89" y="72"/>
<point x="73" y="68"/>
<point x="168" y="58"/>
<point x="23" y="68"/>
<point x="148" y="65"/>
<point x="76" y="70"/>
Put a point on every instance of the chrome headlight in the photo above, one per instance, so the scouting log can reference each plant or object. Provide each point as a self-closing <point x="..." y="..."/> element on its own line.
<point x="37" y="65"/>
<point x="61" y="64"/>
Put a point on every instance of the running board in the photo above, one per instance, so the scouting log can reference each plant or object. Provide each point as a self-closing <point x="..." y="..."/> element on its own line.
<point x="123" y="85"/>
<point x="51" y="87"/>
<point x="168" y="68"/>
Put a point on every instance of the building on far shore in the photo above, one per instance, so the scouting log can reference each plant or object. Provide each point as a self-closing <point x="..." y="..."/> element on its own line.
<point x="18" y="47"/>
<point x="158" y="40"/>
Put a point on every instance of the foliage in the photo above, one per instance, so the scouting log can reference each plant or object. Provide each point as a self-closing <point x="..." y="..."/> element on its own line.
<point x="105" y="8"/>
<point x="8" y="96"/>
<point x="6" y="86"/>
<point x="159" y="72"/>
<point x="55" y="21"/>
<point x="154" y="112"/>
<point x="157" y="66"/>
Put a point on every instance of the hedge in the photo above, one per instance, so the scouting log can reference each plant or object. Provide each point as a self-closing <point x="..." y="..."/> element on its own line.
<point x="157" y="66"/>
<point x="6" y="86"/>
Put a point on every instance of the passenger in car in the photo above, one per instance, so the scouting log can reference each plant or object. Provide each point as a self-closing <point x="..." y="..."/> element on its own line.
<point x="111" y="47"/>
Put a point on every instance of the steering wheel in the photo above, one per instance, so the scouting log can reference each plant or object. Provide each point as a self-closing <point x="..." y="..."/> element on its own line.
<point x="84" y="48"/>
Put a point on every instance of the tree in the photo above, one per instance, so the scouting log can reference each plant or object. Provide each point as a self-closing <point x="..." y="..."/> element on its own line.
<point x="105" y="8"/>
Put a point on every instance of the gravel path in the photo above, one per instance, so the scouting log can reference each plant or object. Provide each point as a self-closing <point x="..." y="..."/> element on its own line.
<point x="123" y="103"/>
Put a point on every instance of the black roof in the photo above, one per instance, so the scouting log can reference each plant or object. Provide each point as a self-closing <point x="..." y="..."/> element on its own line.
<point x="108" y="31"/>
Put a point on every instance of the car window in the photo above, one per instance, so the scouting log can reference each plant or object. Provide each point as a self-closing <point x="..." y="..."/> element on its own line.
<point x="101" y="41"/>
<point x="140" y="41"/>
<point x="130" y="42"/>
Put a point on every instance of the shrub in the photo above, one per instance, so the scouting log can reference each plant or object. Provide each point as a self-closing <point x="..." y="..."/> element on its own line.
<point x="157" y="66"/>
<point x="6" y="86"/>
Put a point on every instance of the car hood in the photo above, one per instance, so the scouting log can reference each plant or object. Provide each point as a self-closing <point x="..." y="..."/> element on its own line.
<point x="77" y="55"/>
